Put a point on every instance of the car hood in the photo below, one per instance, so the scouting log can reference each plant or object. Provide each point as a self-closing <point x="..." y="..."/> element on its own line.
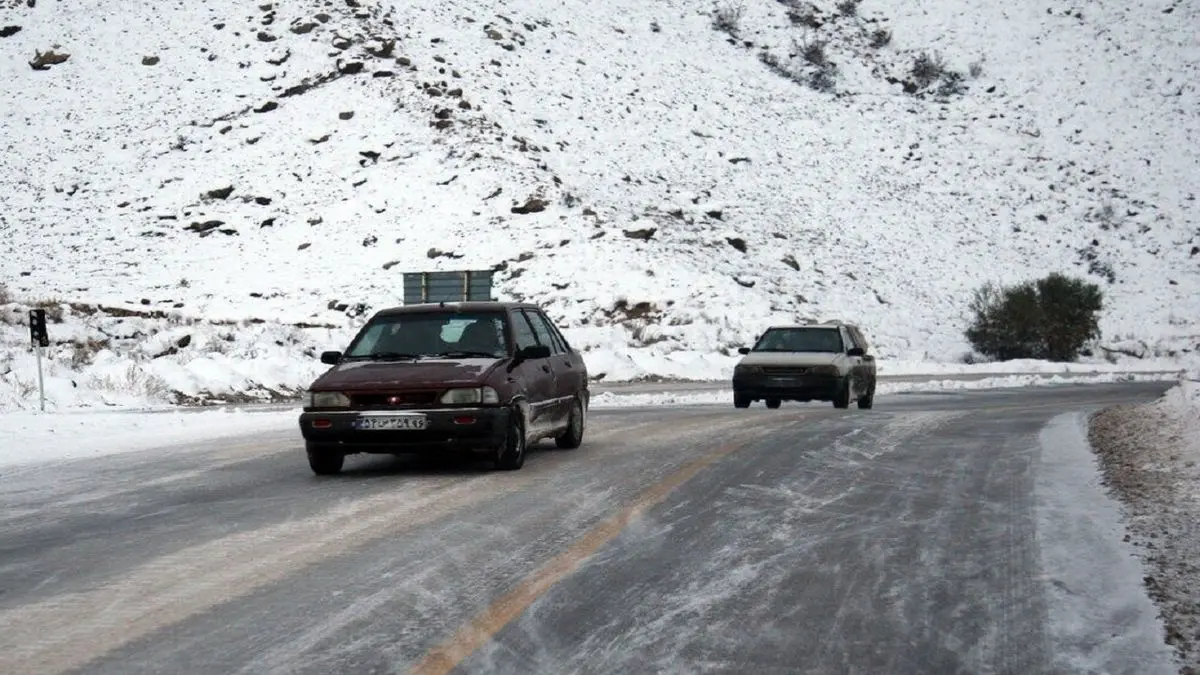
<point x="791" y="359"/>
<point x="424" y="373"/>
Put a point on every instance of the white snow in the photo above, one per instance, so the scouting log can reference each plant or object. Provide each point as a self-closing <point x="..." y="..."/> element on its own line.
<point x="610" y="399"/>
<point x="1092" y="576"/>
<point x="1080" y="138"/>
<point x="33" y="438"/>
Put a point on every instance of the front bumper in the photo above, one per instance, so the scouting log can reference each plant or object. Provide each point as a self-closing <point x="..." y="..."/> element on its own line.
<point x="447" y="429"/>
<point x="788" y="387"/>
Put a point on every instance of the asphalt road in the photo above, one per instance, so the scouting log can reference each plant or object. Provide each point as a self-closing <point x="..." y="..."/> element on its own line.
<point x="805" y="539"/>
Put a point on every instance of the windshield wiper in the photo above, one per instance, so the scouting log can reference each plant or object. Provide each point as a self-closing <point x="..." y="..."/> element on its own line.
<point x="467" y="354"/>
<point x="388" y="356"/>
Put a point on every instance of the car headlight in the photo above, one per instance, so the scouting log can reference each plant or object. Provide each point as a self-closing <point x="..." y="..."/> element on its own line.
<point x="326" y="399"/>
<point x="473" y="395"/>
<point x="747" y="370"/>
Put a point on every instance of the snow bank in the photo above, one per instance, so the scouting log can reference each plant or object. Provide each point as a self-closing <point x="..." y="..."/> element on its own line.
<point x="1092" y="577"/>
<point x="30" y="438"/>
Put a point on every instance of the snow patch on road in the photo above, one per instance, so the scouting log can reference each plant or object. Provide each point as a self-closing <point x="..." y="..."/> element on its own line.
<point x="1092" y="578"/>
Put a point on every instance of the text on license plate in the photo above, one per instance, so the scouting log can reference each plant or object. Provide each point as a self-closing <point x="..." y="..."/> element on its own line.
<point x="391" y="422"/>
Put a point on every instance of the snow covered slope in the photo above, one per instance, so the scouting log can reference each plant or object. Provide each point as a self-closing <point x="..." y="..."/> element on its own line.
<point x="685" y="186"/>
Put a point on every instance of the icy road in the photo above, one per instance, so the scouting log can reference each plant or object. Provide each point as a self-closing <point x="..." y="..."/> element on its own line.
<point x="953" y="533"/>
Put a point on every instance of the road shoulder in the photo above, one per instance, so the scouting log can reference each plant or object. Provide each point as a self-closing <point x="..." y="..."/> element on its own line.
<point x="1150" y="456"/>
<point x="1091" y="573"/>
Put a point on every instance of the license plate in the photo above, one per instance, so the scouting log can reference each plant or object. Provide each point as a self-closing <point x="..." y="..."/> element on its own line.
<point x="391" y="423"/>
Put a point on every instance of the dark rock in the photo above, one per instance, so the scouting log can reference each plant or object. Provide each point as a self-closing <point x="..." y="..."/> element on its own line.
<point x="443" y="113"/>
<point x="220" y="193"/>
<point x="262" y="201"/>
<point x="404" y="61"/>
<point x="318" y="141"/>
<point x="1195" y="250"/>
<point x="303" y="246"/>
<point x="346" y="115"/>
<point x="228" y="231"/>
<point x="218" y="26"/>
<point x="533" y="205"/>
<point x="184" y="341"/>
<point x="150" y="60"/>
<point x="737" y="242"/>
<point x="267" y="107"/>
<point x="43" y="61"/>
<point x="264" y="36"/>
<point x="390" y="265"/>
<point x="464" y="105"/>
<point x="269" y="222"/>
<point x="322" y="17"/>
<point x="145" y="301"/>
<point x="351" y="68"/>
<point x="790" y="261"/>
<point x="744" y="283"/>
<point x="370" y="241"/>
<point x="205" y="226"/>
<point x="643" y="234"/>
<point x="303" y="28"/>
<point x="9" y="31"/>
<point x="714" y="214"/>
<point x="383" y="73"/>
<point x="442" y="125"/>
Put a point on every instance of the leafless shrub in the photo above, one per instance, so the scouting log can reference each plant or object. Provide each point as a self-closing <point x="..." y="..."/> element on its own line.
<point x="134" y="380"/>
<point x="728" y="18"/>
<point x="927" y="68"/>
<point x="54" y="309"/>
<point x="880" y="37"/>
<point x="848" y="7"/>
<point x="813" y="51"/>
<point x="804" y="15"/>
<point x="5" y="296"/>
<point x="975" y="69"/>
<point x="84" y="352"/>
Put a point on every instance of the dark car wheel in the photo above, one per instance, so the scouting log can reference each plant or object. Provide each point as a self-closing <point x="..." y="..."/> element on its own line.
<point x="868" y="401"/>
<point x="741" y="400"/>
<point x="773" y="403"/>
<point x="510" y="456"/>
<point x="324" y="461"/>
<point x="842" y="398"/>
<point x="573" y="437"/>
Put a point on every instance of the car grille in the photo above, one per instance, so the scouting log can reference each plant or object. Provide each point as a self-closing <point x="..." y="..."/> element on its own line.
<point x="788" y="370"/>
<point x="399" y="399"/>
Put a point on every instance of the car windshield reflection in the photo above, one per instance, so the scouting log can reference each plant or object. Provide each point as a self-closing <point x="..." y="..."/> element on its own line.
<point x="800" y="340"/>
<point x="432" y="335"/>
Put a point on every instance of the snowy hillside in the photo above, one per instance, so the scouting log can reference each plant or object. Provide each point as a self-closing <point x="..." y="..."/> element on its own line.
<point x="666" y="188"/>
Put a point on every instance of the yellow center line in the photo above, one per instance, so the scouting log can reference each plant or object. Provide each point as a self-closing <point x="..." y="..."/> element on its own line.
<point x="484" y="626"/>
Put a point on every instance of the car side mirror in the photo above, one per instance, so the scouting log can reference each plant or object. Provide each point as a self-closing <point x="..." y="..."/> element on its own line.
<point x="856" y="351"/>
<point x="533" y="352"/>
<point x="743" y="350"/>
<point x="331" y="358"/>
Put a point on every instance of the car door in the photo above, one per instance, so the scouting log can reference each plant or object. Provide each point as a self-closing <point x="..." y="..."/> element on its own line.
<point x="857" y="379"/>
<point x="869" y="369"/>
<point x="568" y="366"/>
<point x="560" y="368"/>
<point x="534" y="377"/>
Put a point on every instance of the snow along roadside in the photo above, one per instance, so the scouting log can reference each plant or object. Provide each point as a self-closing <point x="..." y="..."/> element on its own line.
<point x="1101" y="619"/>
<point x="1151" y="460"/>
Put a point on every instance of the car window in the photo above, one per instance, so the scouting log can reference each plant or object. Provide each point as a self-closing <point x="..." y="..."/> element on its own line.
<point x="860" y="339"/>
<point x="802" y="339"/>
<point x="431" y="334"/>
<point x="523" y="333"/>
<point x="543" y="332"/>
<point x="851" y="342"/>
<point x="558" y="335"/>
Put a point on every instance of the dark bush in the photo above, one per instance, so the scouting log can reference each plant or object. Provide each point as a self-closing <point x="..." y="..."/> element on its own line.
<point x="728" y="18"/>
<point x="1051" y="318"/>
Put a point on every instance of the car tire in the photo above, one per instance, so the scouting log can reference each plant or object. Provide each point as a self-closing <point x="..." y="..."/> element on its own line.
<point x="867" y="402"/>
<point x="773" y="403"/>
<point x="841" y="399"/>
<point x="741" y="400"/>
<point x="573" y="437"/>
<point x="510" y="456"/>
<point x="324" y="461"/>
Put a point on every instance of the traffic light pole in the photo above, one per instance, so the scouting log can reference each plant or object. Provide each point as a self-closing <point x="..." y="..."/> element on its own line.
<point x="41" y="384"/>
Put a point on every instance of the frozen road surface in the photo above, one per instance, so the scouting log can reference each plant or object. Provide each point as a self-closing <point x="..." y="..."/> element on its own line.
<point x="955" y="533"/>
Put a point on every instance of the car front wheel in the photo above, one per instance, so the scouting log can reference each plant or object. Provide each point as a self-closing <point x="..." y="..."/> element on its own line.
<point x="510" y="456"/>
<point x="741" y="400"/>
<point x="842" y="398"/>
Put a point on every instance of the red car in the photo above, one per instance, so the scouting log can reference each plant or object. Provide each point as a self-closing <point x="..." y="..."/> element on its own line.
<point x="488" y="378"/>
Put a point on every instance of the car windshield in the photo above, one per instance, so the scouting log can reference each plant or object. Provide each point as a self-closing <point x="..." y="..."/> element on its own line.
<point x="800" y="340"/>
<point x="431" y="334"/>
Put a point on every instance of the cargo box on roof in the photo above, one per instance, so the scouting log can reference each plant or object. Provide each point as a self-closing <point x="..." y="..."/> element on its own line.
<point x="453" y="286"/>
